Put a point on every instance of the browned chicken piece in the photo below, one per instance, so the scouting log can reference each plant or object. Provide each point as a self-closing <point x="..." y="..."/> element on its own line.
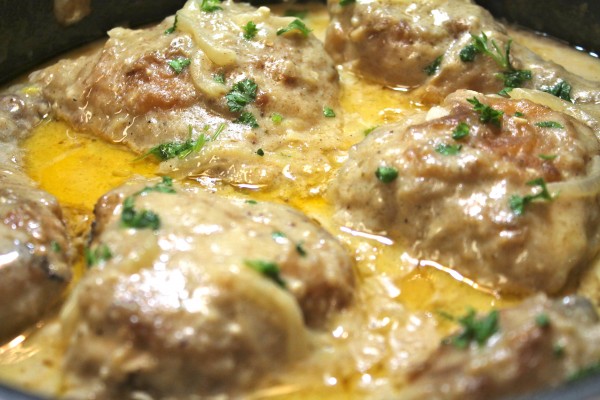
<point x="511" y="203"/>
<point x="216" y="294"/>
<point x="34" y="249"/>
<point x="539" y="344"/>
<point x="429" y="45"/>
<point x="236" y="96"/>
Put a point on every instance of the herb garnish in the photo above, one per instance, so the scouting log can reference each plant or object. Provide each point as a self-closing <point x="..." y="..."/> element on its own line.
<point x="276" y="118"/>
<point x="448" y="149"/>
<point x="542" y="320"/>
<point x="461" y="131"/>
<point x="328" y="112"/>
<point x="247" y="119"/>
<point x="210" y="5"/>
<point x="267" y="268"/>
<point x="369" y="130"/>
<point x="518" y="203"/>
<point x="486" y="113"/>
<point x="168" y="150"/>
<point x="99" y="254"/>
<point x="294" y="26"/>
<point x="241" y="94"/>
<point x="260" y="152"/>
<point x="475" y="329"/>
<point x="250" y="30"/>
<point x="172" y="28"/>
<point x="300" y="250"/>
<point x="55" y="246"/>
<point x="584" y="372"/>
<point x="511" y="76"/>
<point x="179" y="63"/>
<point x="519" y="114"/>
<point x="141" y="219"/>
<point x="549" y="124"/>
<point x="386" y="174"/>
<point x="253" y="202"/>
<point x="434" y="67"/>
<point x="344" y="3"/>
<point x="547" y="157"/>
<point x="219" y="77"/>
<point x="562" y="89"/>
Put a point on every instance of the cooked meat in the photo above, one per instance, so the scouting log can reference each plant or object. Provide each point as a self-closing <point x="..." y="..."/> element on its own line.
<point x="184" y="310"/>
<point x="540" y="343"/>
<point x="418" y="44"/>
<point x="477" y="204"/>
<point x="34" y="250"/>
<point x="34" y="261"/>
<point x="140" y="90"/>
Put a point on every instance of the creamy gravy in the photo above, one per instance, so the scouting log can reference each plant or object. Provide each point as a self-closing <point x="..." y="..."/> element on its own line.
<point x="398" y="298"/>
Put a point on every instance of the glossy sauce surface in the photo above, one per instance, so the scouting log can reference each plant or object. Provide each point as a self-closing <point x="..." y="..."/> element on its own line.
<point x="398" y="299"/>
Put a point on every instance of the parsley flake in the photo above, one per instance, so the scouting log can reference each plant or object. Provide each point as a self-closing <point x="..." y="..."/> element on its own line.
<point x="55" y="246"/>
<point x="100" y="254"/>
<point x="250" y="30"/>
<point x="300" y="250"/>
<point x="247" y="118"/>
<point x="474" y="329"/>
<point x="584" y="372"/>
<point x="461" y="131"/>
<point x="179" y="64"/>
<point x="260" y="152"/>
<point x="268" y="269"/>
<point x="468" y="53"/>
<point x="562" y="90"/>
<point x="168" y="150"/>
<point x="386" y="174"/>
<point x="276" y="118"/>
<point x="328" y="112"/>
<point x="542" y="320"/>
<point x="518" y="203"/>
<point x="251" y="202"/>
<point x="547" y="157"/>
<point x="141" y="219"/>
<point x="210" y="5"/>
<point x="219" y="77"/>
<point x="172" y="28"/>
<point x="345" y="3"/>
<point x="434" y="67"/>
<point x="486" y="113"/>
<point x="549" y="124"/>
<point x="369" y="130"/>
<point x="448" y="149"/>
<point x="241" y="94"/>
<point x="294" y="26"/>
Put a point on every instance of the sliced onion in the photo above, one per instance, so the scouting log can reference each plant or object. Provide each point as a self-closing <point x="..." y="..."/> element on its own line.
<point x="587" y="186"/>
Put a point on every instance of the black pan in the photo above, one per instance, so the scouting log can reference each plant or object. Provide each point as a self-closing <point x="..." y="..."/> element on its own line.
<point x="30" y="35"/>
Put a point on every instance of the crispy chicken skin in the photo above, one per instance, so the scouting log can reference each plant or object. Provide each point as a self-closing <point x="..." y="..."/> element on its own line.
<point x="181" y="311"/>
<point x="540" y="343"/>
<point x="451" y="200"/>
<point x="397" y="43"/>
<point x="129" y="92"/>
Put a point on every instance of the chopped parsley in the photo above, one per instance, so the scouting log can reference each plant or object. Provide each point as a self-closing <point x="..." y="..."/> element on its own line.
<point x="369" y="130"/>
<point x="468" y="53"/>
<point x="267" y="268"/>
<point x="141" y="219"/>
<point x="219" y="77"/>
<point x="461" y="131"/>
<point x="279" y="236"/>
<point x="474" y="329"/>
<point x="172" y="28"/>
<point x="386" y="174"/>
<point x="300" y="250"/>
<point x="518" y="203"/>
<point x="179" y="64"/>
<point x="100" y="254"/>
<point x="519" y="114"/>
<point x="251" y="202"/>
<point x="168" y="150"/>
<point x="434" y="67"/>
<point x="558" y="350"/>
<point x="210" y="5"/>
<point x="296" y="13"/>
<point x="542" y="320"/>
<point x="562" y="89"/>
<point x="547" y="157"/>
<point x="549" y="124"/>
<point x="344" y="3"/>
<point x="250" y="30"/>
<point x="55" y="246"/>
<point x="448" y="149"/>
<point x="294" y="26"/>
<point x="260" y="152"/>
<point x="247" y="118"/>
<point x="486" y="113"/>
<point x="276" y="118"/>
<point x="241" y="94"/>
<point x="328" y="112"/>
<point x="511" y="76"/>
